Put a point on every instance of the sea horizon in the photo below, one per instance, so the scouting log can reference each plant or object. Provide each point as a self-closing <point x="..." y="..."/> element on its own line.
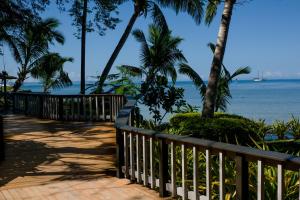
<point x="272" y="99"/>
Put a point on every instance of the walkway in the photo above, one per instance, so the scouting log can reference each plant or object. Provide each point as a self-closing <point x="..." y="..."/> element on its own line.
<point x="53" y="160"/>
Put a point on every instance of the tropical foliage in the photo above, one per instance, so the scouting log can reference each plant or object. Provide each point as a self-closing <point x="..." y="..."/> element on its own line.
<point x="216" y="66"/>
<point x="223" y="90"/>
<point x="49" y="70"/>
<point x="279" y="128"/>
<point x="29" y="47"/>
<point x="143" y="7"/>
<point x="124" y="82"/>
<point x="159" y="57"/>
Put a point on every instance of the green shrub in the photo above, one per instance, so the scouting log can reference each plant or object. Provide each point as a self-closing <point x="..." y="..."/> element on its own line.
<point x="223" y="127"/>
<point x="280" y="128"/>
<point x="294" y="127"/>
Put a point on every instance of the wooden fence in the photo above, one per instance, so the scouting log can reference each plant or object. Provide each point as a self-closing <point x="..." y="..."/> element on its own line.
<point x="2" y="144"/>
<point x="96" y="107"/>
<point x="149" y="158"/>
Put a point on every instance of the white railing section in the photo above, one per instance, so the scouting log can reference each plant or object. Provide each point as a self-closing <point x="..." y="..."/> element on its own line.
<point x="149" y="158"/>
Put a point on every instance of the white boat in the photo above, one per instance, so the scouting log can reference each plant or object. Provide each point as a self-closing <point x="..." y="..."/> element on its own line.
<point x="258" y="78"/>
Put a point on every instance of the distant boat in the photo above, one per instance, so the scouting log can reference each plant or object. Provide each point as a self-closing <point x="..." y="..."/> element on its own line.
<point x="258" y="78"/>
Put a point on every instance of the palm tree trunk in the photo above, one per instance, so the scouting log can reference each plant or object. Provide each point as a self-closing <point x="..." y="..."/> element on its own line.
<point x="117" y="51"/>
<point x="83" y="42"/>
<point x="20" y="80"/>
<point x="211" y="91"/>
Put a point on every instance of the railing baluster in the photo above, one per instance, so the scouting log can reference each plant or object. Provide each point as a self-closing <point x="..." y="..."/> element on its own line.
<point x="260" y="181"/>
<point x="78" y="108"/>
<point x="221" y="176"/>
<point x="138" y="158"/>
<point x="184" y="172"/>
<point x="196" y="173"/>
<point x="280" y="182"/>
<point x="103" y="108"/>
<point x="173" y="169"/>
<point x="132" y="168"/>
<point x="152" y="163"/>
<point x="126" y="152"/>
<point x="299" y="183"/>
<point x="145" y="161"/>
<point x="84" y="108"/>
<point x="208" y="174"/>
<point x="97" y="109"/>
<point x="91" y="110"/>
<point x="110" y="109"/>
<point x="72" y="108"/>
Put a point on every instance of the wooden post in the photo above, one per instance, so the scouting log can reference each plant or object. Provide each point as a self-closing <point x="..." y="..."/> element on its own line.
<point x="61" y="108"/>
<point x="242" y="185"/>
<point x="2" y="145"/>
<point x="163" y="167"/>
<point x="120" y="153"/>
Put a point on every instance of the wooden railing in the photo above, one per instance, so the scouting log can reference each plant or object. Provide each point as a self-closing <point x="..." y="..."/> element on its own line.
<point x="2" y="145"/>
<point x="96" y="107"/>
<point x="149" y="158"/>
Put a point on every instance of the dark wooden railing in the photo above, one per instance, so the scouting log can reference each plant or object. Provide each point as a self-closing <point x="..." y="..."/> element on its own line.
<point x="96" y="107"/>
<point x="2" y="144"/>
<point x="149" y="158"/>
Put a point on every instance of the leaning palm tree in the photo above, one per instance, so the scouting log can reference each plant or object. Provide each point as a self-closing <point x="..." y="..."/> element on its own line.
<point x="212" y="86"/>
<point x="143" y="7"/>
<point x="31" y="45"/>
<point x="223" y="91"/>
<point x="49" y="70"/>
<point x="159" y="54"/>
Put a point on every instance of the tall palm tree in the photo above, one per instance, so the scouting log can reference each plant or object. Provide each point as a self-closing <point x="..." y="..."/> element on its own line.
<point x="212" y="86"/>
<point x="225" y="78"/>
<point x="49" y="70"/>
<point x="31" y="45"/>
<point x="83" y="43"/>
<point x="143" y="7"/>
<point x="159" y="54"/>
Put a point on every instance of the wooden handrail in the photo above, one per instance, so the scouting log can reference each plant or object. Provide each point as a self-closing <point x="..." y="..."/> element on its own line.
<point x="93" y="107"/>
<point x="129" y="158"/>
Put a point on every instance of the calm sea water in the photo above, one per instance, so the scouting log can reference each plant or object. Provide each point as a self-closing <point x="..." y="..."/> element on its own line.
<point x="270" y="100"/>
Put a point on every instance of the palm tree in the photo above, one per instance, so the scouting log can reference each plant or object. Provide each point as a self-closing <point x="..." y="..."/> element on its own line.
<point x="212" y="86"/>
<point x="83" y="43"/>
<point x="143" y="7"/>
<point x="159" y="54"/>
<point x="29" y="47"/>
<point x="49" y="70"/>
<point x="223" y="91"/>
<point x="12" y="17"/>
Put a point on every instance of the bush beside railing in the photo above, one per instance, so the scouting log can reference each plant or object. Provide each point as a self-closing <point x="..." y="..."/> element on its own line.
<point x="96" y="107"/>
<point x="149" y="158"/>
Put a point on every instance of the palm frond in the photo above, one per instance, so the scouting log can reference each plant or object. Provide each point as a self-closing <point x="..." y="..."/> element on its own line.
<point x="194" y="76"/>
<point x="158" y="17"/>
<point x="193" y="7"/>
<point x="240" y="71"/>
<point x="212" y="47"/>
<point x="211" y="10"/>
<point x="131" y="70"/>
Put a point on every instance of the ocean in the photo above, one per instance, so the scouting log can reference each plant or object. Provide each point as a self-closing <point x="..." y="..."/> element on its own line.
<point x="270" y="99"/>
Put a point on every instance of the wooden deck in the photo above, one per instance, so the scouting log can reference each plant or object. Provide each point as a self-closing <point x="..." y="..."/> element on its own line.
<point x="53" y="160"/>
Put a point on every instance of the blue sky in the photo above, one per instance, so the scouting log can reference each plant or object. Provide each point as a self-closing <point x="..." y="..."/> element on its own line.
<point x="264" y="35"/>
